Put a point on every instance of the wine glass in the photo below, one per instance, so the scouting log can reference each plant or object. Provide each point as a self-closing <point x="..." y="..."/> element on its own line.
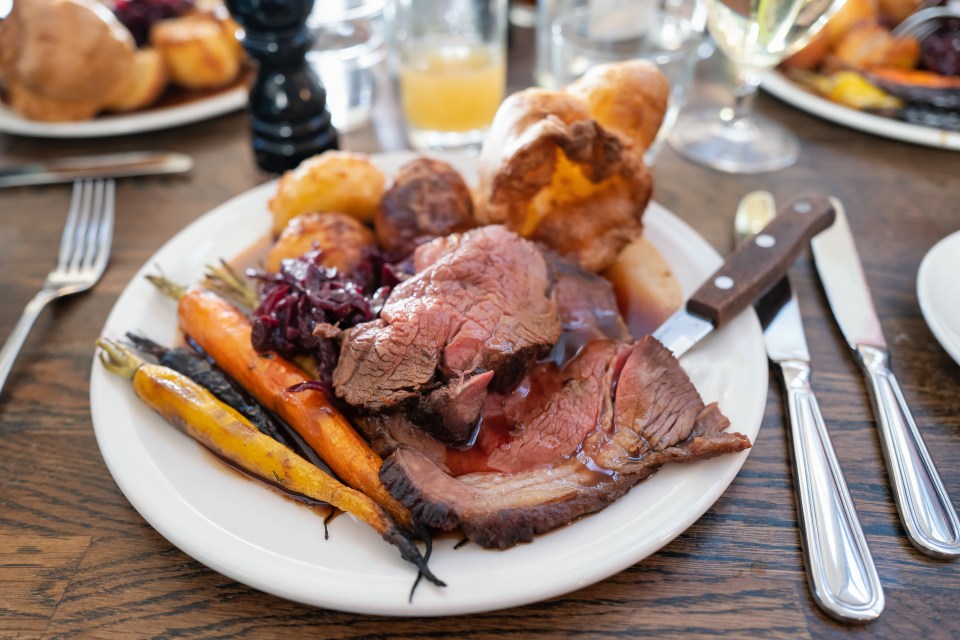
<point x="756" y="35"/>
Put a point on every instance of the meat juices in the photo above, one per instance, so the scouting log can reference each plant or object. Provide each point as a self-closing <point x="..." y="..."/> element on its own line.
<point x="478" y="311"/>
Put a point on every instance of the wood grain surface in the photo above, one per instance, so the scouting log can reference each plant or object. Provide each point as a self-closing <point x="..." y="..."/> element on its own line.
<point x="76" y="560"/>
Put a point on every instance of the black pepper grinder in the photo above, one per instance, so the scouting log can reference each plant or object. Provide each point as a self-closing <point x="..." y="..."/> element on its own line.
<point x="287" y="102"/>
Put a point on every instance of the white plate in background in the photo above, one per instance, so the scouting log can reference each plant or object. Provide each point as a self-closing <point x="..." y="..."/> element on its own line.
<point x="938" y="290"/>
<point x="121" y="124"/>
<point x="777" y="84"/>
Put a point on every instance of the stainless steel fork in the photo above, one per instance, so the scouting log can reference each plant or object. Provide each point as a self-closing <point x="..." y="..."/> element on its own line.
<point x="84" y="251"/>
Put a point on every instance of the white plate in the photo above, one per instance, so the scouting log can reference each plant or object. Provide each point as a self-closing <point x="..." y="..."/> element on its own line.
<point x="937" y="282"/>
<point x="775" y="83"/>
<point x="124" y="124"/>
<point x="247" y="532"/>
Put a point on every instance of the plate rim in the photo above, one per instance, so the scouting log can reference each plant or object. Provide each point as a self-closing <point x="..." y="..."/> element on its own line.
<point x="778" y="85"/>
<point x="925" y="298"/>
<point x="272" y="581"/>
<point x="122" y="124"/>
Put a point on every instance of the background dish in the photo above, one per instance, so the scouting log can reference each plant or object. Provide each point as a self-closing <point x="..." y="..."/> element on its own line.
<point x="250" y="534"/>
<point x="150" y="119"/>
<point x="937" y="293"/>
<point x="776" y="84"/>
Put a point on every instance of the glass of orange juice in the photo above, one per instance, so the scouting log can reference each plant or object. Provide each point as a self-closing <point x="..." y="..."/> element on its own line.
<point x="452" y="69"/>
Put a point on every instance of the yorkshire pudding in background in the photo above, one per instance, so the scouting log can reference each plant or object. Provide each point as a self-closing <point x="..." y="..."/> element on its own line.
<point x="63" y="59"/>
<point x="566" y="167"/>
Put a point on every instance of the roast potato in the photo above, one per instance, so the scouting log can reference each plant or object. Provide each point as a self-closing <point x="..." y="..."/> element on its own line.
<point x="428" y="199"/>
<point x="332" y="181"/>
<point x="342" y="239"/>
<point x="200" y="50"/>
<point x="870" y="44"/>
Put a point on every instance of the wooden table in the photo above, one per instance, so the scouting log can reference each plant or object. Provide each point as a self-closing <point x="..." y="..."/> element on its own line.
<point x="77" y="560"/>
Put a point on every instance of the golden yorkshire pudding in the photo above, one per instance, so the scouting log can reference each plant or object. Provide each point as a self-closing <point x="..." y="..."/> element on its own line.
<point x="552" y="172"/>
<point x="63" y="59"/>
<point x="629" y="98"/>
<point x="144" y="85"/>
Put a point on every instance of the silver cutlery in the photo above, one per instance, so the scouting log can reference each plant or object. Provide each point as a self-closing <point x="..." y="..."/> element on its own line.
<point x="925" y="508"/>
<point x="84" y="251"/>
<point x="840" y="569"/>
<point x="749" y="272"/>
<point x="113" y="165"/>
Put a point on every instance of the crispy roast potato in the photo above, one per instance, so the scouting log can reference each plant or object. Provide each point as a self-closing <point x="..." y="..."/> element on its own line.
<point x="642" y="277"/>
<point x="200" y="50"/>
<point x="341" y="238"/>
<point x="332" y="181"/>
<point x="870" y="44"/>
<point x="428" y="199"/>
<point x="549" y="171"/>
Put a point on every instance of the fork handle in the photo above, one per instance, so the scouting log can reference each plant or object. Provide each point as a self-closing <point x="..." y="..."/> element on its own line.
<point x="11" y="348"/>
<point x="842" y="575"/>
<point x="925" y="507"/>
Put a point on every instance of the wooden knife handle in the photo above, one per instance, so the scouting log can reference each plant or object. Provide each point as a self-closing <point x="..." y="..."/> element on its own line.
<point x="757" y="265"/>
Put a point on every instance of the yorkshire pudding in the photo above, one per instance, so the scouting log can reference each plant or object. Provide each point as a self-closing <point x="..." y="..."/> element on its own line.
<point x="63" y="59"/>
<point x="551" y="171"/>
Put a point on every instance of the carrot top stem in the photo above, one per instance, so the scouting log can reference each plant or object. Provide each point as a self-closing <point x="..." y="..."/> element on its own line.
<point x="117" y="359"/>
<point x="167" y="287"/>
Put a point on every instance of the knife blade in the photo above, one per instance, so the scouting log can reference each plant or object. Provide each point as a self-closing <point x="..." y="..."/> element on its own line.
<point x="113" y="165"/>
<point x="840" y="569"/>
<point x="749" y="272"/>
<point x="925" y="508"/>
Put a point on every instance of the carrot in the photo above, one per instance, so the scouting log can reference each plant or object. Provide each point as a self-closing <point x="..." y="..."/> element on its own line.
<point x="222" y="429"/>
<point x="223" y="333"/>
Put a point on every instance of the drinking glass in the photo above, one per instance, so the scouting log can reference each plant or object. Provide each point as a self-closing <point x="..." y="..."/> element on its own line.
<point x="452" y="69"/>
<point x="642" y="29"/>
<point x="350" y="41"/>
<point x="756" y="35"/>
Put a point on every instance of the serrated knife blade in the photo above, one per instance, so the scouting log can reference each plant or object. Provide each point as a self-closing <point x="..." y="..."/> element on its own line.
<point x="925" y="508"/>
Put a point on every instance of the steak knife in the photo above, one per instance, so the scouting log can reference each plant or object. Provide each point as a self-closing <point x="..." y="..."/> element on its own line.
<point x="925" y="508"/>
<point x="112" y="165"/>
<point x="749" y="272"/>
<point x="841" y="572"/>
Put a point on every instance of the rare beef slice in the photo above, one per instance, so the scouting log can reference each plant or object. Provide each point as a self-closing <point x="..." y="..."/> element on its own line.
<point x="478" y="310"/>
<point x="648" y="414"/>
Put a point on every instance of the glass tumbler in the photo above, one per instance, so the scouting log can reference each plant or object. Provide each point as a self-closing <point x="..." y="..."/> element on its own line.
<point x="350" y="41"/>
<point x="645" y="30"/>
<point x="452" y="69"/>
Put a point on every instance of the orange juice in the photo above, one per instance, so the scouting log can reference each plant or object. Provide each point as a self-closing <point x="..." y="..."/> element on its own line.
<point x="452" y="88"/>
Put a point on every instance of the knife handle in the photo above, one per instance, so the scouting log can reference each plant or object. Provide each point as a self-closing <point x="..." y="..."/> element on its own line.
<point x="842" y="575"/>
<point x="925" y="508"/>
<point x="757" y="265"/>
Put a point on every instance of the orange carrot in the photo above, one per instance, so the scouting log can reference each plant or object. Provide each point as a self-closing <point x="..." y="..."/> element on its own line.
<point x="224" y="333"/>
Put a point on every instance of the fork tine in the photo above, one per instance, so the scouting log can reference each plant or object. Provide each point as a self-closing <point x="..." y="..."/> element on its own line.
<point x="82" y="225"/>
<point x="66" y="239"/>
<point x="93" y="231"/>
<point x="105" y="235"/>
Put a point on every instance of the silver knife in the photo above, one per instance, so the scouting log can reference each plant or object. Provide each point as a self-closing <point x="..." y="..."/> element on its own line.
<point x="114" y="165"/>
<point x="840" y="569"/>
<point x="927" y="513"/>
<point x="749" y="272"/>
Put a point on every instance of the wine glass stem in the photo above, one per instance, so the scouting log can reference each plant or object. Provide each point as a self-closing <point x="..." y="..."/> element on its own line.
<point x="745" y="91"/>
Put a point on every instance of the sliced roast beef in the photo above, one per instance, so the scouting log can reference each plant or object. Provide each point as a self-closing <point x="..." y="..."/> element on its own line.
<point x="649" y="414"/>
<point x="543" y="419"/>
<point x="478" y="310"/>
